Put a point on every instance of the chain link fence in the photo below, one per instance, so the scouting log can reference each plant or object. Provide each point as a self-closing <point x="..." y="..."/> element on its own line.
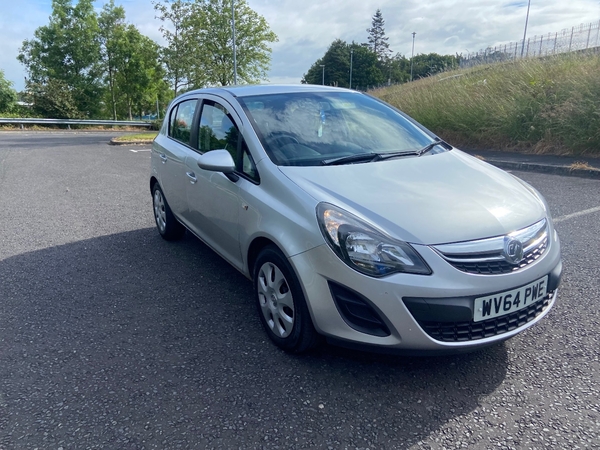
<point x="580" y="38"/>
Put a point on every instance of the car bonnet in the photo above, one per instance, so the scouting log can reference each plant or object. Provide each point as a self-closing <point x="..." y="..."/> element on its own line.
<point x="433" y="199"/>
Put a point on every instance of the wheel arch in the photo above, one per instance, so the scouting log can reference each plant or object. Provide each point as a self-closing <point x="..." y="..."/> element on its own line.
<point x="153" y="181"/>
<point x="254" y="249"/>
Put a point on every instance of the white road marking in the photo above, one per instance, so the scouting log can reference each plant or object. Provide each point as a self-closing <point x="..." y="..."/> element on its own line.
<point x="577" y="214"/>
<point x="141" y="150"/>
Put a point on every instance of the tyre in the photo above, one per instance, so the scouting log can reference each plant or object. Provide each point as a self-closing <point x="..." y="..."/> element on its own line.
<point x="281" y="304"/>
<point x="166" y="223"/>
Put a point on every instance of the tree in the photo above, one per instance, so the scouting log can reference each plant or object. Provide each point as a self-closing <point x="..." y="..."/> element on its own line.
<point x="365" y="68"/>
<point x="111" y="23"/>
<point x="337" y="66"/>
<point x="253" y="37"/>
<point x="131" y="63"/>
<point x="54" y="99"/>
<point x="398" y="69"/>
<point x="378" y="41"/>
<point x="199" y="49"/>
<point x="139" y="75"/>
<point x="177" y="55"/>
<point x="67" y="50"/>
<point x="429" y="64"/>
<point x="8" y="96"/>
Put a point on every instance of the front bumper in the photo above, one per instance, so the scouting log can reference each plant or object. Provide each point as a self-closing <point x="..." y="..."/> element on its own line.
<point x="416" y="312"/>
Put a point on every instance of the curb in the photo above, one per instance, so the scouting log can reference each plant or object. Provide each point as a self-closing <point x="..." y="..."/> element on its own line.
<point x="141" y="142"/>
<point x="545" y="168"/>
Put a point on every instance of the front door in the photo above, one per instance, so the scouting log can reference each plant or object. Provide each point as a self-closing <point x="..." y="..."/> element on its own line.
<point x="213" y="199"/>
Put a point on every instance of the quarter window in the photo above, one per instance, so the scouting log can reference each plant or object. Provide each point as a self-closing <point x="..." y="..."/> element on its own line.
<point x="180" y="125"/>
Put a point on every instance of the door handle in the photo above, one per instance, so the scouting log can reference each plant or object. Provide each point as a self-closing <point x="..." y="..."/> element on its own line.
<point x="192" y="177"/>
<point x="163" y="157"/>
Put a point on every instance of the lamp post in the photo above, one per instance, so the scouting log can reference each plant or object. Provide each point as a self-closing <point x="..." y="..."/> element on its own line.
<point x="323" y="81"/>
<point x="412" y="56"/>
<point x="234" y="49"/>
<point x="525" y="32"/>
<point x="351" y="57"/>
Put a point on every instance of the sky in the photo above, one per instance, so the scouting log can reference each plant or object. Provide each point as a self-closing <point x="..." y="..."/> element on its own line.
<point x="306" y="28"/>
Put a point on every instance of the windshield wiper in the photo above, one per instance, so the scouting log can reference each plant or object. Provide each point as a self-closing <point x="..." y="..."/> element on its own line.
<point x="372" y="156"/>
<point x="358" y="157"/>
<point x="384" y="156"/>
<point x="429" y="147"/>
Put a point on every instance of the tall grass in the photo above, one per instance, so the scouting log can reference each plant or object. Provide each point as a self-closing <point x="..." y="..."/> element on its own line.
<point x="549" y="105"/>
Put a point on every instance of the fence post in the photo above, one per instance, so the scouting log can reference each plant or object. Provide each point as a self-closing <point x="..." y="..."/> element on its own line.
<point x="571" y="40"/>
<point x="516" y="46"/>
<point x="541" y="40"/>
<point x="527" y="53"/>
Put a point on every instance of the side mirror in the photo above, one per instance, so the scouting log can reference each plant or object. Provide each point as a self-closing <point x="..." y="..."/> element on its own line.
<point x="217" y="161"/>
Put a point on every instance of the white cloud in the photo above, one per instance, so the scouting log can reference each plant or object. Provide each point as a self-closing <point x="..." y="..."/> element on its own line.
<point x="306" y="28"/>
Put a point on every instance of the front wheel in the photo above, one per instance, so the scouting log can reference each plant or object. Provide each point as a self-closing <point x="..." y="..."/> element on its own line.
<point x="281" y="304"/>
<point x="166" y="223"/>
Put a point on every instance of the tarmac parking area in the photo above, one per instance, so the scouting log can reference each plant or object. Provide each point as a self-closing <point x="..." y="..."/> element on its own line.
<point x="112" y="338"/>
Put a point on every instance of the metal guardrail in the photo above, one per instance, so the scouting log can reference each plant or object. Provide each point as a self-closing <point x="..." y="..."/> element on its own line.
<point x="69" y="122"/>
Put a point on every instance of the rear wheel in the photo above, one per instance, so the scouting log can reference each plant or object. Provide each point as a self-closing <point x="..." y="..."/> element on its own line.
<point x="281" y="304"/>
<point x="166" y="223"/>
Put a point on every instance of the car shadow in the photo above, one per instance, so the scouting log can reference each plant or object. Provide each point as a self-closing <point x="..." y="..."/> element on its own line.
<point x="128" y="341"/>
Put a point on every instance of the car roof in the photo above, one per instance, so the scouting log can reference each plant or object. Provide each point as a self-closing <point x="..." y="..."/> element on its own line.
<point x="263" y="89"/>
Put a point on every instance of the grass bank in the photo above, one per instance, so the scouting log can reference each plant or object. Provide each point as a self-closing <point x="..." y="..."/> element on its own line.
<point x="137" y="137"/>
<point x="549" y="105"/>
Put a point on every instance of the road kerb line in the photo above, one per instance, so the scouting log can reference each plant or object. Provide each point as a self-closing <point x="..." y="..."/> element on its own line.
<point x="577" y="214"/>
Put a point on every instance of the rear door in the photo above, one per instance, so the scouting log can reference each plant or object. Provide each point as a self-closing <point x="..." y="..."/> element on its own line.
<point x="172" y="149"/>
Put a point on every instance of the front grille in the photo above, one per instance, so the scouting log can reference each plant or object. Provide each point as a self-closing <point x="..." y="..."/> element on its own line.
<point x="471" y="331"/>
<point x="491" y="256"/>
<point x="498" y="267"/>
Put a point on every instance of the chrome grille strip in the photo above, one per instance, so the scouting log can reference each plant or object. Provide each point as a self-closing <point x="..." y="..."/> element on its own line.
<point x="486" y="256"/>
<point x="536" y="243"/>
<point x="466" y="259"/>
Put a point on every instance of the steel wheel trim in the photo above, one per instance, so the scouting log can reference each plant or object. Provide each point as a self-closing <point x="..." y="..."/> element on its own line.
<point x="159" y="211"/>
<point x="276" y="300"/>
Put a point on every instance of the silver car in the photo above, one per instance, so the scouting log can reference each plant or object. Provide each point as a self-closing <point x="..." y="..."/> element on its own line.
<point x="355" y="223"/>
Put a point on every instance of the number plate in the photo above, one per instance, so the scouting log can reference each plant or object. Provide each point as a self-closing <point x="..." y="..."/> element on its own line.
<point x="510" y="301"/>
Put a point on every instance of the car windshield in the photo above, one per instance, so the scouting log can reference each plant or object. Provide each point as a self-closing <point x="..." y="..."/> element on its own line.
<point x="310" y="128"/>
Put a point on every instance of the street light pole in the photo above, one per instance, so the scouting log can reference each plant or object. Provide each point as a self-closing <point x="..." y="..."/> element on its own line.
<point x="525" y="32"/>
<point x="234" y="49"/>
<point x="351" y="57"/>
<point x="412" y="56"/>
<point x="323" y="66"/>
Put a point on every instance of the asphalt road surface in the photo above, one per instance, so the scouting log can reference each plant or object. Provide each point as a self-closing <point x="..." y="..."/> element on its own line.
<point x="111" y="338"/>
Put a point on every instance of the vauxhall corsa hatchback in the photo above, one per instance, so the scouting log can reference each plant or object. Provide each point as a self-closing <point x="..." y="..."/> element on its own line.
<point x="354" y="222"/>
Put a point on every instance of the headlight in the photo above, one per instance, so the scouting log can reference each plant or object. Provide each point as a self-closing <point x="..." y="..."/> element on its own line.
<point x="364" y="248"/>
